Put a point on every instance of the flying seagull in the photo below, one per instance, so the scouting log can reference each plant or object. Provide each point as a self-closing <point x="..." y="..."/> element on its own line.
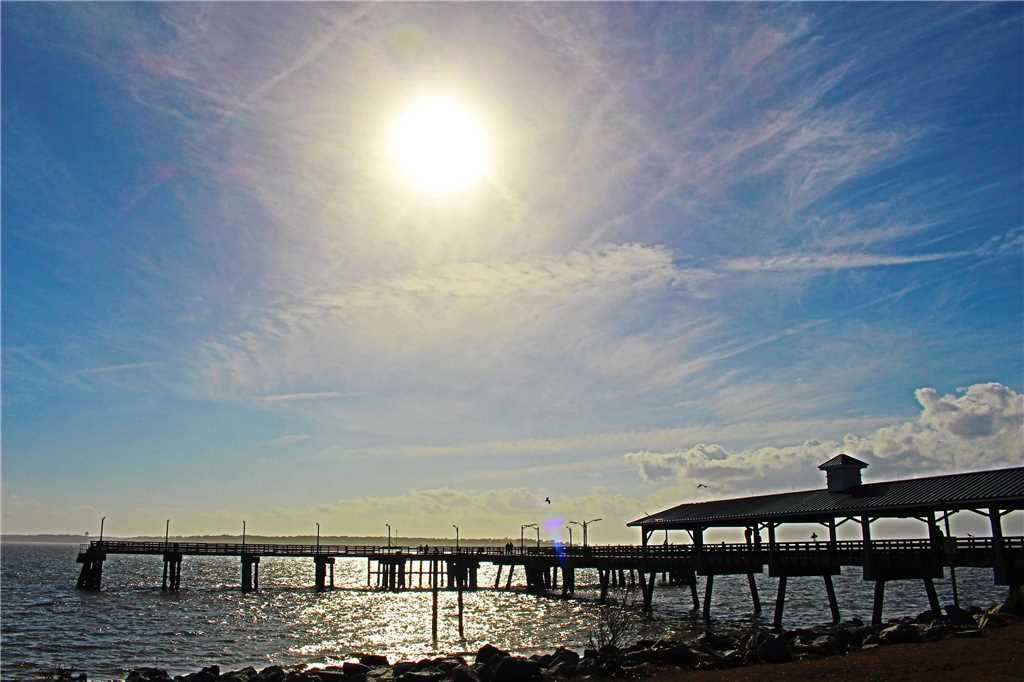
<point x="702" y="485"/>
<point x="548" y="500"/>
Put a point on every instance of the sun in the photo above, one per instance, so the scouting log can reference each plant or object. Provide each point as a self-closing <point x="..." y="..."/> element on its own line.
<point x="439" y="146"/>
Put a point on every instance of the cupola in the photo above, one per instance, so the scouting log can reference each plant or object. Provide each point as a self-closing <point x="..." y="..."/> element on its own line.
<point x="842" y="472"/>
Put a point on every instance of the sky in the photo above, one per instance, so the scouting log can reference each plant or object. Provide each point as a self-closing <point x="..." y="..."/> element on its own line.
<point x="714" y="243"/>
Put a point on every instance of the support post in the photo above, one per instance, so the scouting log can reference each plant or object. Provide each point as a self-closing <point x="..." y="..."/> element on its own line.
<point x="933" y="598"/>
<point x="708" y="587"/>
<point x="833" y="605"/>
<point x="780" y="601"/>
<point x="876" y="611"/>
<point x="952" y="568"/>
<point x="693" y="594"/>
<point x="754" y="596"/>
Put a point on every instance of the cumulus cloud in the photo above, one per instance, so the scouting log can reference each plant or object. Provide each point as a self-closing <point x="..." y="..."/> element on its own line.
<point x="981" y="426"/>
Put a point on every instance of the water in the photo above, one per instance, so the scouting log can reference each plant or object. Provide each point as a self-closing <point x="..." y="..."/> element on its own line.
<point x="47" y="623"/>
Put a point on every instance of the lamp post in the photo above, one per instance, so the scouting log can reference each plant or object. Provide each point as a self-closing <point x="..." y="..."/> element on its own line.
<point x="243" y="536"/>
<point x="102" y="521"/>
<point x="167" y="533"/>
<point x="569" y="528"/>
<point x="522" y="536"/>
<point x="538" y="534"/>
<point x="389" y="534"/>
<point x="583" y="525"/>
<point x="456" y="537"/>
<point x="317" y="537"/>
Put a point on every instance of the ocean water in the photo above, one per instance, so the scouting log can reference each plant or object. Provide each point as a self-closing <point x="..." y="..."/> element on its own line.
<point x="47" y="623"/>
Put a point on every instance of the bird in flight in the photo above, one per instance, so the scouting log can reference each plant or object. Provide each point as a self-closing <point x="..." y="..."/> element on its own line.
<point x="548" y="500"/>
<point x="702" y="485"/>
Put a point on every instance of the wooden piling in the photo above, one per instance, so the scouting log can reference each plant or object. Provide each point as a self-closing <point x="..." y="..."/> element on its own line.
<point x="708" y="587"/>
<point x="780" y="602"/>
<point x="876" y="611"/>
<point x="833" y="605"/>
<point x="754" y="596"/>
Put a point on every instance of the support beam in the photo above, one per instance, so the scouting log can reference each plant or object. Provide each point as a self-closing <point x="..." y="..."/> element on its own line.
<point x="754" y="597"/>
<point x="780" y="602"/>
<point x="876" y="611"/>
<point x="708" y="587"/>
<point x="833" y="605"/>
<point x="933" y="598"/>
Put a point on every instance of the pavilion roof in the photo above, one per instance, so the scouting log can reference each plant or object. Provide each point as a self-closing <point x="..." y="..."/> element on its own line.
<point x="976" y="489"/>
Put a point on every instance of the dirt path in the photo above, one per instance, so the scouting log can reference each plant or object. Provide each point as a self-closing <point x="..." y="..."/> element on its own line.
<point x="997" y="656"/>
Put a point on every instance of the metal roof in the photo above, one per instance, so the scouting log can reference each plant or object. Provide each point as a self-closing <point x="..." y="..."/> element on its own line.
<point x="886" y="498"/>
<point x="842" y="459"/>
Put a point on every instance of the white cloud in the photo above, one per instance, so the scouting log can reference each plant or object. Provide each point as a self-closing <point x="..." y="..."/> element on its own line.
<point x="829" y="261"/>
<point x="981" y="427"/>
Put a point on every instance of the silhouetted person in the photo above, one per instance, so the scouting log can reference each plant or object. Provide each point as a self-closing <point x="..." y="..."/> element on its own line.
<point x="757" y="539"/>
<point x="814" y="537"/>
<point x="746" y="535"/>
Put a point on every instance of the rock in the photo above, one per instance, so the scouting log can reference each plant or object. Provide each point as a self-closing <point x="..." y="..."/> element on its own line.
<point x="562" y="655"/>
<point x="928" y="616"/>
<point x="464" y="673"/>
<point x="374" y="660"/>
<point x="992" y="620"/>
<point x="331" y="675"/>
<point x="424" y="676"/>
<point x="273" y="673"/>
<point x="403" y="667"/>
<point x="959" y="617"/>
<point x="969" y="634"/>
<point x="148" y="675"/>
<point x="207" y="674"/>
<point x="489" y="651"/>
<point x="826" y="645"/>
<point x="564" y="668"/>
<point x="639" y="656"/>
<point x="608" y="651"/>
<point x="675" y="654"/>
<point x="587" y="665"/>
<point x="515" y="670"/>
<point x="246" y="674"/>
<point x="773" y="650"/>
<point x="353" y="669"/>
<point x="899" y="634"/>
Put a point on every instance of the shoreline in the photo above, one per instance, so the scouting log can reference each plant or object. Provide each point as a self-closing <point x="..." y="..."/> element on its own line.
<point x="974" y="643"/>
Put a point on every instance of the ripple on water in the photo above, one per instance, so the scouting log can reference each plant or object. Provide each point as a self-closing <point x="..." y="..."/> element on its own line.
<point x="48" y="623"/>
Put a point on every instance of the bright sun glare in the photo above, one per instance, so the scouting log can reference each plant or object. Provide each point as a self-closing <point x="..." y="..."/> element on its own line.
<point x="439" y="145"/>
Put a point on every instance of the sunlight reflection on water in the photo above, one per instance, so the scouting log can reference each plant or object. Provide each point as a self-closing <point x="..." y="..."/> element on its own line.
<point x="47" y="622"/>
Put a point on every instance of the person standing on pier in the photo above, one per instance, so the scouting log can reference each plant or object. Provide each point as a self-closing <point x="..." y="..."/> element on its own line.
<point x="746" y="534"/>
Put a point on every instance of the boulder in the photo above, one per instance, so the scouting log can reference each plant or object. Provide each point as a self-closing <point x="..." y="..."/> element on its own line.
<point x="675" y="654"/>
<point x="562" y="655"/>
<point x="959" y="617"/>
<point x="564" y="668"/>
<point x="373" y="660"/>
<point x="403" y="667"/>
<point x="273" y="673"/>
<point x="353" y="669"/>
<point x="424" y="676"/>
<point x="464" y="673"/>
<point x="516" y="670"/>
<point x="148" y="675"/>
<point x="928" y="616"/>
<point x="773" y="650"/>
<point x="639" y="656"/>
<point x="210" y="674"/>
<point x="969" y="634"/>
<point x="899" y="634"/>
<point x="488" y="652"/>
<point x="826" y="645"/>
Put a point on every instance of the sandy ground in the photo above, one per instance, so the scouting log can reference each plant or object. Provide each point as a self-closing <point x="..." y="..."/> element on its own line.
<point x="997" y="656"/>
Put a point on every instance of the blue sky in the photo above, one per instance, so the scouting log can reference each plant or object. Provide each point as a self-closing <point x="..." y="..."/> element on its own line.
<point x="716" y="243"/>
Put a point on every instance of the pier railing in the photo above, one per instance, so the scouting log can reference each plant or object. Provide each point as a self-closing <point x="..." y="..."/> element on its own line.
<point x="959" y="544"/>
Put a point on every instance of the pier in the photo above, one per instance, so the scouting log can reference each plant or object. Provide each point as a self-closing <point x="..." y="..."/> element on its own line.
<point x="552" y="569"/>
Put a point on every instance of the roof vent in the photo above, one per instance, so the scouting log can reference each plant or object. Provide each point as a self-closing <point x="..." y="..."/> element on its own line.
<point x="842" y="472"/>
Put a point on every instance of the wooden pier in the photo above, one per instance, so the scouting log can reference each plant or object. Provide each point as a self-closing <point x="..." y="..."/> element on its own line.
<point x="552" y="569"/>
